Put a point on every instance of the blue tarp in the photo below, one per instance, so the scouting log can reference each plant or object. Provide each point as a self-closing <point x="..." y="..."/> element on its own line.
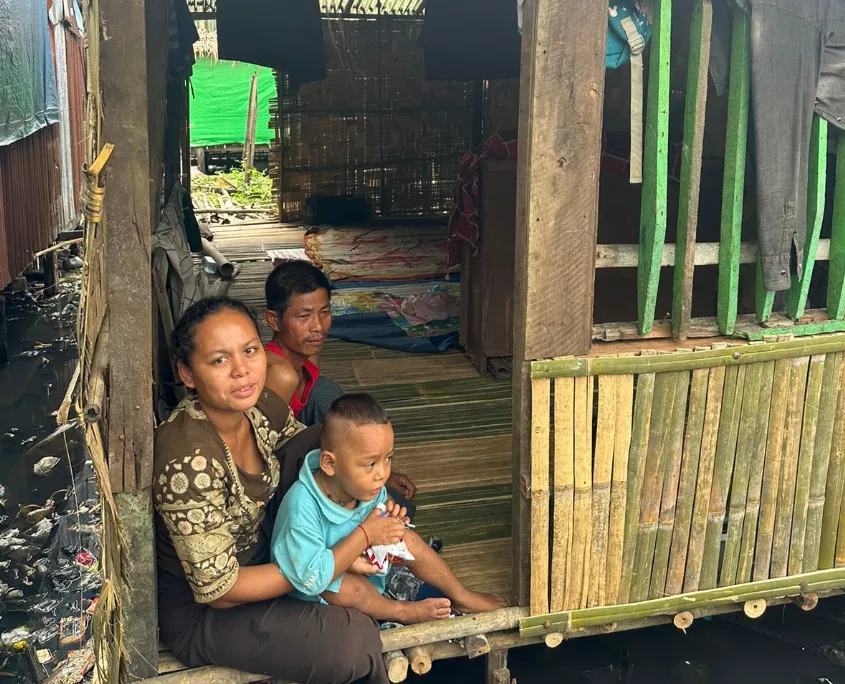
<point x="28" y="97"/>
<point x="378" y="330"/>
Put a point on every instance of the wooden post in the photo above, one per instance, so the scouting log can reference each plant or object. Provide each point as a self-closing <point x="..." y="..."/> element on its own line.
<point x="561" y="100"/>
<point x="251" y="119"/>
<point x="133" y="29"/>
<point x="4" y="334"/>
<point x="497" y="668"/>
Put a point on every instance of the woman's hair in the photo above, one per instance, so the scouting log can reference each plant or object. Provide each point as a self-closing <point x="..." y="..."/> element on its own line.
<point x="293" y="278"/>
<point x="182" y="341"/>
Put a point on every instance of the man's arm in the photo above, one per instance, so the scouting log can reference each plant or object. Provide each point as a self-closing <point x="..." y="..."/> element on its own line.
<point x="282" y="379"/>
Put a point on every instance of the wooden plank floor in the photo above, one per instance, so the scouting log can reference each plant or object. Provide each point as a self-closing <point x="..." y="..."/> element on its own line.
<point x="453" y="428"/>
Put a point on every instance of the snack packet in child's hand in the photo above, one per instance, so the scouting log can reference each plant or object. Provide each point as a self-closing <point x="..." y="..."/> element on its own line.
<point x="381" y="555"/>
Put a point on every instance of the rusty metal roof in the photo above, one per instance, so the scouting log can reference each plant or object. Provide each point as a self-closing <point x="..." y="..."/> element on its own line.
<point x="208" y="8"/>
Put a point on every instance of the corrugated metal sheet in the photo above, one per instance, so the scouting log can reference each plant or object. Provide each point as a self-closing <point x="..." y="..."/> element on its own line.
<point x="33" y="207"/>
<point x="29" y="199"/>
<point x="207" y="9"/>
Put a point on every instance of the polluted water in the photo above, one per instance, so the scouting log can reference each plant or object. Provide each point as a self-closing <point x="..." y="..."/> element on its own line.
<point x="49" y="507"/>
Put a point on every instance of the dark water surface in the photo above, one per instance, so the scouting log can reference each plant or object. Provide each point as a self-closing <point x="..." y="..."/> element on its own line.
<point x="46" y="583"/>
<point x="48" y="522"/>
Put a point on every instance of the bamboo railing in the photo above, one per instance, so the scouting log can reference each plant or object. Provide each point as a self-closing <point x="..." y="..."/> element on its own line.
<point x="652" y="253"/>
<point x="676" y="474"/>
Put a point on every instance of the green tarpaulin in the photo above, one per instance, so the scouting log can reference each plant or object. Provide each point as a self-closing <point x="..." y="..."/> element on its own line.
<point x="220" y="99"/>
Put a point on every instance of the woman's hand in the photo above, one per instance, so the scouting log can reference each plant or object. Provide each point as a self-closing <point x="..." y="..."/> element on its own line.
<point x="362" y="566"/>
<point x="402" y="484"/>
<point x="383" y="530"/>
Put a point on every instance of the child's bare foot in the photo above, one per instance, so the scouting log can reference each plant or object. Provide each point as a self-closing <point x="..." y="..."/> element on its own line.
<point x="413" y="612"/>
<point x="476" y="602"/>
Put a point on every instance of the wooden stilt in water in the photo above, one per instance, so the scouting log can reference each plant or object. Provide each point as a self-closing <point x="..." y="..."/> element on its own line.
<point x="4" y="333"/>
<point x="683" y="621"/>
<point x="754" y="608"/>
<point x="497" y="668"/>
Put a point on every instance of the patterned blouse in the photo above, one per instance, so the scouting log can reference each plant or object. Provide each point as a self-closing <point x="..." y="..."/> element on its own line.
<point x="211" y="510"/>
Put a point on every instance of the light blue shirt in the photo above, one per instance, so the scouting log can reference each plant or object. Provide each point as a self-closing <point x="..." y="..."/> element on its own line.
<point x="307" y="526"/>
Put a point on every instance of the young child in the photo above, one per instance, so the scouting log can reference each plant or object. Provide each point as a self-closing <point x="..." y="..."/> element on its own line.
<point x="329" y="518"/>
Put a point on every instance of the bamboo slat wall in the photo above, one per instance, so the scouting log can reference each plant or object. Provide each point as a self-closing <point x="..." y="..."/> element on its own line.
<point x="658" y="475"/>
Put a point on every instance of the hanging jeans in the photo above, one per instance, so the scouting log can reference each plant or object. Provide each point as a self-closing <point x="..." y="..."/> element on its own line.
<point x="797" y="66"/>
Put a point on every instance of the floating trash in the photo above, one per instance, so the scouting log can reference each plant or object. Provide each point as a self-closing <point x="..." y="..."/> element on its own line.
<point x="46" y="465"/>
<point x="85" y="559"/>
<point x="72" y="629"/>
<point x="45" y="607"/>
<point x="15" y="637"/>
<point x="40" y="533"/>
<point x="43" y="656"/>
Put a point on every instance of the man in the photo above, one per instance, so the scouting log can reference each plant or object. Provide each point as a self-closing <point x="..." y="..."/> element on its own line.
<point x="299" y="313"/>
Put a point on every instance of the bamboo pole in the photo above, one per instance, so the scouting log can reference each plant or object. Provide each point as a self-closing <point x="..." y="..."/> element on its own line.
<point x="709" y="435"/>
<point x="835" y="481"/>
<point x="710" y="358"/>
<point x="564" y="489"/>
<point x="602" y="470"/>
<point x="655" y="464"/>
<point x="456" y="628"/>
<point x="225" y="266"/>
<point x="636" y="472"/>
<point x="815" y="379"/>
<point x="567" y="621"/>
<point x="581" y="561"/>
<point x="739" y="483"/>
<point x="686" y="482"/>
<point x="618" y="491"/>
<point x="251" y="120"/>
<point x="755" y="474"/>
<point x="674" y="448"/>
<point x="540" y="417"/>
<point x="771" y="470"/>
<point x="722" y="469"/>
<point x="789" y="466"/>
<point x="821" y="460"/>
<point x="396" y="665"/>
<point x="420" y="659"/>
<point x="95" y="392"/>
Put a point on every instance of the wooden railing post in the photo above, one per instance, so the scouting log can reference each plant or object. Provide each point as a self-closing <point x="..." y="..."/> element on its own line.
<point x="561" y="100"/>
<point x="132" y="102"/>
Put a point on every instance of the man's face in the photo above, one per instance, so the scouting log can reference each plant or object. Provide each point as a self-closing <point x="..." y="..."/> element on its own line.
<point x="305" y="323"/>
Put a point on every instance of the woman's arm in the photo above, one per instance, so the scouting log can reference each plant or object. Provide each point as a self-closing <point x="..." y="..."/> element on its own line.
<point x="255" y="583"/>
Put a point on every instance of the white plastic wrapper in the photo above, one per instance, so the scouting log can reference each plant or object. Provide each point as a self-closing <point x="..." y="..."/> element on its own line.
<point x="381" y="555"/>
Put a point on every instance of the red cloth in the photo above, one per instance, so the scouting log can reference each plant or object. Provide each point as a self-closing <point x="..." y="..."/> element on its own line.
<point x="463" y="223"/>
<point x="297" y="403"/>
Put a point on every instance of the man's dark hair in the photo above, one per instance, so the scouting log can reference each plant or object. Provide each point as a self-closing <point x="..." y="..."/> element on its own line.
<point x="359" y="409"/>
<point x="182" y="342"/>
<point x="293" y="278"/>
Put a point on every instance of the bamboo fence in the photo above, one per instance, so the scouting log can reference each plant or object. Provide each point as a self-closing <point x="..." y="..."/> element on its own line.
<point x="672" y="478"/>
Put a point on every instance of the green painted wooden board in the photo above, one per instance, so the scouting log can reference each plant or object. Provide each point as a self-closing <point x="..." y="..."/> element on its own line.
<point x="816" y="185"/>
<point x="655" y="167"/>
<point x="836" y="276"/>
<point x="734" y="179"/>
<point x="694" y="115"/>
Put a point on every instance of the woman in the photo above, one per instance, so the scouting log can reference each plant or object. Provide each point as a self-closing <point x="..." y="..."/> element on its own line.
<point x="220" y="601"/>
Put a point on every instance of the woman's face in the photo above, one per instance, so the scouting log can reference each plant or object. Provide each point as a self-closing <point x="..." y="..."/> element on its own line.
<point x="228" y="365"/>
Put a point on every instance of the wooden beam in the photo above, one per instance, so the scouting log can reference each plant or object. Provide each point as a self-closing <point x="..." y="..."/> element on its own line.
<point x="133" y="29"/>
<point x="560" y="105"/>
<point x="734" y="180"/>
<point x="705" y="254"/>
<point x="836" y="273"/>
<point x="655" y="166"/>
<point x="561" y="98"/>
<point x="817" y="185"/>
<point x="695" y="110"/>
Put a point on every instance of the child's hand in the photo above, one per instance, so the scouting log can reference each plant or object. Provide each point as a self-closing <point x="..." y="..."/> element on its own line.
<point x="362" y="566"/>
<point x="382" y="530"/>
<point x="394" y="510"/>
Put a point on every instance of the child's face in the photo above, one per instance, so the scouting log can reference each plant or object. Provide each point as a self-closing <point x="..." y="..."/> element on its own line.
<point x="362" y="463"/>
